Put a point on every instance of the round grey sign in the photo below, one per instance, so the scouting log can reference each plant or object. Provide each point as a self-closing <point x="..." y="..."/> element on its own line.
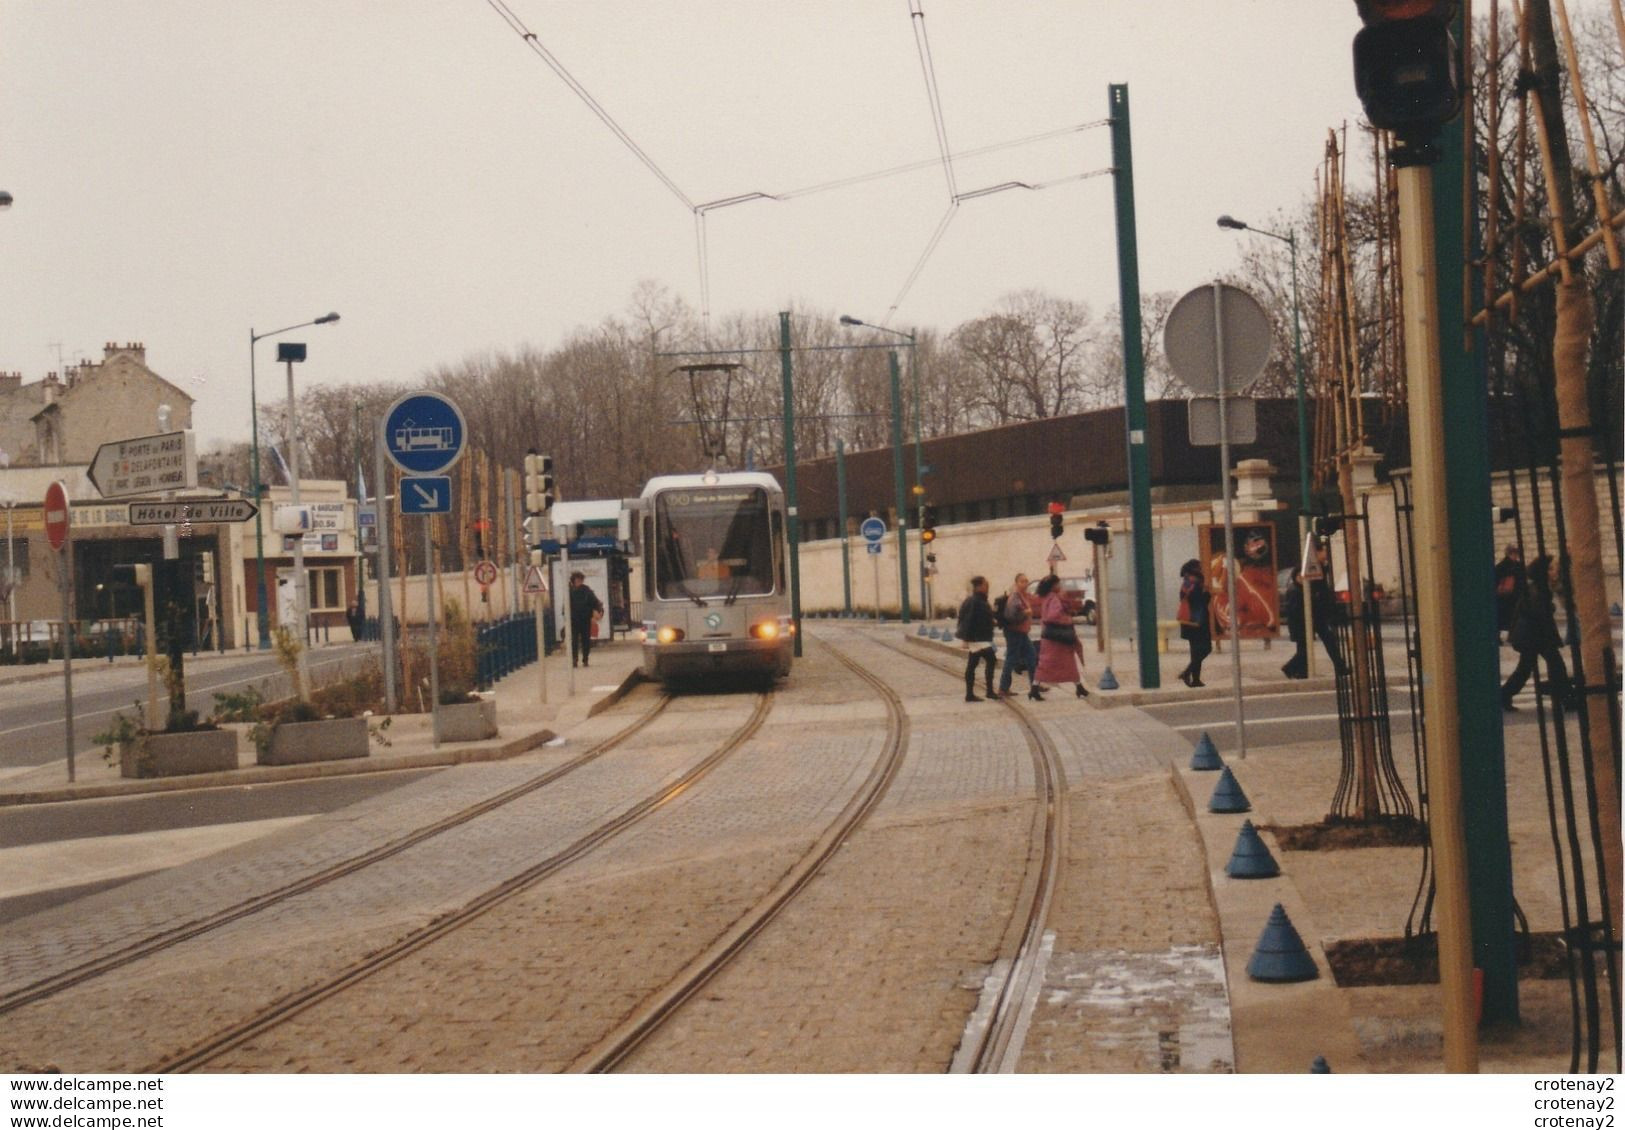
<point x="1195" y="325"/>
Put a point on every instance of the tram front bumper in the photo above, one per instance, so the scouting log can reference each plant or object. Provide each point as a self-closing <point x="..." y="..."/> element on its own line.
<point x="704" y="657"/>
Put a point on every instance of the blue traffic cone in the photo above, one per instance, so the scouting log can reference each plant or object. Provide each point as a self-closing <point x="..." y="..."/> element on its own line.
<point x="1227" y="795"/>
<point x="1251" y="858"/>
<point x="932" y="632"/>
<point x="1206" y="755"/>
<point x="1107" y="681"/>
<point x="1281" y="955"/>
<point x="1320" y="1066"/>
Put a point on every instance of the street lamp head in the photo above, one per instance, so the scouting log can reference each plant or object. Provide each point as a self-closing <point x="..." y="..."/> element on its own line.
<point x="5" y="199"/>
<point x="849" y="320"/>
<point x="1232" y="222"/>
<point x="326" y="318"/>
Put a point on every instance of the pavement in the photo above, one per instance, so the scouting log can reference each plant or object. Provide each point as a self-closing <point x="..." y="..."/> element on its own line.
<point x="1327" y="895"/>
<point x="523" y="723"/>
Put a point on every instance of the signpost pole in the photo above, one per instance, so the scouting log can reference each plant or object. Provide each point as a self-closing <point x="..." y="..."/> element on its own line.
<point x="874" y="559"/>
<point x="301" y="594"/>
<point x="1232" y="559"/>
<point x="540" y="605"/>
<point x="434" y="651"/>
<point x="563" y="534"/>
<point x="386" y="613"/>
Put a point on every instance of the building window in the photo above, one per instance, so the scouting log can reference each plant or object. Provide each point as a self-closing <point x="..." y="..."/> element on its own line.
<point x="326" y="589"/>
<point x="16" y="554"/>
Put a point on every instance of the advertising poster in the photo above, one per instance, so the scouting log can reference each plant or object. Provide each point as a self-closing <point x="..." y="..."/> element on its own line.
<point x="1258" y="604"/>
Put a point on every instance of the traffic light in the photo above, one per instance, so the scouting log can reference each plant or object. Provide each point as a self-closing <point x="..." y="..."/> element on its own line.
<point x="1406" y="68"/>
<point x="928" y="524"/>
<point x="1098" y="534"/>
<point x="538" y="483"/>
<point x="1326" y="525"/>
<point x="1056" y="509"/>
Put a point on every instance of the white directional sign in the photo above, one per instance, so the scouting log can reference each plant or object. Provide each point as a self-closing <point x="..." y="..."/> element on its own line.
<point x="201" y="511"/>
<point x="145" y="465"/>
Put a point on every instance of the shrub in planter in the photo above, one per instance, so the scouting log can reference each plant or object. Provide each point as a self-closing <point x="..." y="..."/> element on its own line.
<point x="183" y="747"/>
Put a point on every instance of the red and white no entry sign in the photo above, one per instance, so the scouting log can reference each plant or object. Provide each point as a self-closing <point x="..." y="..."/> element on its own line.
<point x="485" y="573"/>
<point x="57" y="515"/>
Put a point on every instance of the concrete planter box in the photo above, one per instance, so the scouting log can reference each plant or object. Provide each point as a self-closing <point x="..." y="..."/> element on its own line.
<point x="176" y="755"/>
<point x="468" y="721"/>
<point x="332" y="739"/>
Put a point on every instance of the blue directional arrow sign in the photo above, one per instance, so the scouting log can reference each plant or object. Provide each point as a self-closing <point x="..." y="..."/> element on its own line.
<point x="430" y="494"/>
<point x="424" y="433"/>
<point x="873" y="529"/>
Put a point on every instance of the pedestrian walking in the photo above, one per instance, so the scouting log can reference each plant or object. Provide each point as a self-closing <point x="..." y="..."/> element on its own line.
<point x="1014" y="611"/>
<point x="1060" y="651"/>
<point x="975" y="631"/>
<point x="1292" y="612"/>
<point x="1195" y="625"/>
<point x="1511" y="581"/>
<point x="585" y="609"/>
<point x="1533" y="633"/>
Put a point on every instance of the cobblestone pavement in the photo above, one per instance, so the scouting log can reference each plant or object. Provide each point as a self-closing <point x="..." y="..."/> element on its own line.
<point x="875" y="967"/>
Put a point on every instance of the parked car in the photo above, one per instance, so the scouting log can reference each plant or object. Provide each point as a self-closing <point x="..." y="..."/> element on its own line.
<point x="1079" y="594"/>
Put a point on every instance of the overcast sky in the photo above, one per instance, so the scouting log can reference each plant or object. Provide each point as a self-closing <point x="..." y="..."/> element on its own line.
<point x="186" y="170"/>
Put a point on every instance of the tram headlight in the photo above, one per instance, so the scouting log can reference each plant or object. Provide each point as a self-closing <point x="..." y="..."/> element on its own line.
<point x="772" y="629"/>
<point x="668" y="634"/>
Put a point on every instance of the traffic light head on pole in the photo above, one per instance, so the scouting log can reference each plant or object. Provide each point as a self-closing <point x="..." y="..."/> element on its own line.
<point x="538" y="483"/>
<point x="1406" y="68"/>
<point x="1056" y="510"/>
<point x="1098" y="534"/>
<point x="928" y="524"/>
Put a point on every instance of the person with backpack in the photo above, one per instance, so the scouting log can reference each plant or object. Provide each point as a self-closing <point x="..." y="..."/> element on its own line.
<point x="975" y="631"/>
<point x="1014" y="612"/>
<point x="1533" y="634"/>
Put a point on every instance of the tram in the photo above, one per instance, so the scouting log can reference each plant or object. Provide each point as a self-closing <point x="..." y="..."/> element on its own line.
<point x="716" y="599"/>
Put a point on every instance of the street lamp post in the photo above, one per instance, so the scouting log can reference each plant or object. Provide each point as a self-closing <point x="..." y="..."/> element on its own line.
<point x="1304" y="507"/>
<point x="919" y="466"/>
<point x="259" y="487"/>
<point x="1291" y="240"/>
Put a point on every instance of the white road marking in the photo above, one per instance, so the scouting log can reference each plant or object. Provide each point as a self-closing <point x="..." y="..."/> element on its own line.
<point x="70" y="863"/>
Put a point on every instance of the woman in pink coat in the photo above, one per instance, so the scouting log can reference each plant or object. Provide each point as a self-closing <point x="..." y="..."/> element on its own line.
<point x="1058" y="661"/>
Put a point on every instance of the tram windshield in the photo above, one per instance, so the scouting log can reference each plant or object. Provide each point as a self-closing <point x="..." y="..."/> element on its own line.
<point x="713" y="541"/>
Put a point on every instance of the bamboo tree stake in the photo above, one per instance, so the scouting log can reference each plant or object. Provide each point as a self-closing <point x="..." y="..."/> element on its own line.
<point x="1576" y="318"/>
<point x="465" y="515"/>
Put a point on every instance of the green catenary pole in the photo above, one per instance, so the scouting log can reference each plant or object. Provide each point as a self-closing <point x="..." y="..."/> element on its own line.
<point x="1139" y="457"/>
<point x="790" y="476"/>
<point x="897" y="469"/>
<point x="1464" y="388"/>
<point x="840" y="496"/>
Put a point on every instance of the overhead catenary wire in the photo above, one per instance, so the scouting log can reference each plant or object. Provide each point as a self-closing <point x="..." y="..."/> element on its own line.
<point x="586" y="97"/>
<point x="922" y="44"/>
<point x="699" y="211"/>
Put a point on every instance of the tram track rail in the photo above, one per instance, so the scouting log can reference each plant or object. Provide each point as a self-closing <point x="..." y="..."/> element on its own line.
<point x="656" y="1010"/>
<point x="104" y="964"/>
<point x="286" y="1008"/>
<point x="996" y="1046"/>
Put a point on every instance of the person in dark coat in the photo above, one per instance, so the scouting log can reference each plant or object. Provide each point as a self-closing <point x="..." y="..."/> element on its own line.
<point x="1194" y="623"/>
<point x="975" y="631"/>
<point x="585" y="607"/>
<point x="1511" y="581"/>
<point x="1533" y="633"/>
<point x="1292" y="612"/>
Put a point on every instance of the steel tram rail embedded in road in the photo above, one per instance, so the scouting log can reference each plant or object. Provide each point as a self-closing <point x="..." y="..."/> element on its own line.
<point x="281" y="1011"/>
<point x="57" y="982"/>
<point x="996" y="1047"/>
<point x="659" y="1008"/>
